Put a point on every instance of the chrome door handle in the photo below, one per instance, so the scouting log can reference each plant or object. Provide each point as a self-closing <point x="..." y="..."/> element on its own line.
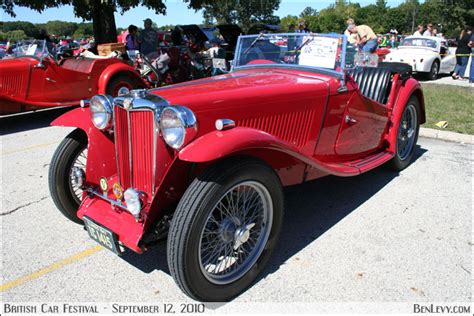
<point x="349" y="120"/>
<point x="50" y="80"/>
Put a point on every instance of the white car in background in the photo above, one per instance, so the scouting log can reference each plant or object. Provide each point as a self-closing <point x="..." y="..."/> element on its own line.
<point x="425" y="54"/>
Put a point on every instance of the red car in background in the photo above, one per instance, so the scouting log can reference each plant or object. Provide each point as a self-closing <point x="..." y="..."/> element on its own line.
<point x="203" y="163"/>
<point x="33" y="79"/>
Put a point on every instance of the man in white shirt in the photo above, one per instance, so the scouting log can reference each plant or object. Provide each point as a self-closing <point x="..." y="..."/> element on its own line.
<point x="419" y="31"/>
<point x="429" y="30"/>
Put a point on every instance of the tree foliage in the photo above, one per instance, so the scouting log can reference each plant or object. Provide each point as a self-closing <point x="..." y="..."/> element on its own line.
<point x="449" y="16"/>
<point x="244" y="13"/>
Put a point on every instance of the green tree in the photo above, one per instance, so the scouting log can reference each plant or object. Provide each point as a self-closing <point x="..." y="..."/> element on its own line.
<point x="288" y="20"/>
<point x="28" y="28"/>
<point x="13" y="36"/>
<point x="308" y="11"/>
<point x="84" y="30"/>
<point x="60" y="28"/>
<point x="244" y="13"/>
<point x="100" y="12"/>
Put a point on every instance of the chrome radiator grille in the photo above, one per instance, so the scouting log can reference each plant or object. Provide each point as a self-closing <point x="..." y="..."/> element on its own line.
<point x="135" y="139"/>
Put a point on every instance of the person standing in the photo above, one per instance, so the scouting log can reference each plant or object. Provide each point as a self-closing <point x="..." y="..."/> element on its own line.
<point x="148" y="39"/>
<point x="471" y="70"/>
<point x="366" y="38"/>
<point x="462" y="53"/>
<point x="131" y="40"/>
<point x="429" y="30"/>
<point x="419" y="31"/>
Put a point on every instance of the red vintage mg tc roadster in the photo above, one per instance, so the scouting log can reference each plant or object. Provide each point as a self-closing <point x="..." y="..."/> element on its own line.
<point x="203" y="163"/>
<point x="34" y="79"/>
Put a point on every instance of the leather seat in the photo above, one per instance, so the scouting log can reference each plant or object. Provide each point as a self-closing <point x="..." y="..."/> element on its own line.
<point x="374" y="83"/>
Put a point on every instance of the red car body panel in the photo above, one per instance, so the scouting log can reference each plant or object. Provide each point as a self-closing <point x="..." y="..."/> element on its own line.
<point x="25" y="85"/>
<point x="294" y="120"/>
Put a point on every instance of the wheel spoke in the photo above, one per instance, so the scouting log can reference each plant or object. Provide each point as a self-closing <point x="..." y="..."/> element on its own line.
<point x="236" y="232"/>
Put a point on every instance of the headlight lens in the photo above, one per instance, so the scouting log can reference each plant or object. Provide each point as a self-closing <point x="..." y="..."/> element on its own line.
<point x="178" y="126"/>
<point x="101" y="111"/>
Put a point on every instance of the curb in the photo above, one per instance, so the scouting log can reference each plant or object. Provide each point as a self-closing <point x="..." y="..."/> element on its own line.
<point x="446" y="135"/>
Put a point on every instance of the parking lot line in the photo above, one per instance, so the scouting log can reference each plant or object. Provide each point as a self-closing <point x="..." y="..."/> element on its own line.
<point x="53" y="267"/>
<point x="28" y="148"/>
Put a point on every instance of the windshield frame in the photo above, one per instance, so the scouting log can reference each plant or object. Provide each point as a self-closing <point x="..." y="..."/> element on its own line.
<point x="44" y="51"/>
<point x="438" y="44"/>
<point x="338" y="74"/>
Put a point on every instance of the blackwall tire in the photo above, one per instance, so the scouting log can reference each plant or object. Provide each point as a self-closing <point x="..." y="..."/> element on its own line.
<point x="407" y="135"/>
<point x="122" y="82"/>
<point x="65" y="196"/>
<point x="434" y="70"/>
<point x="243" y="241"/>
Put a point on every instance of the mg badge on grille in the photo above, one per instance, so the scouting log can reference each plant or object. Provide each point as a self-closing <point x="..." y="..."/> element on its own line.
<point x="103" y="184"/>
<point x="127" y="103"/>
<point x="118" y="191"/>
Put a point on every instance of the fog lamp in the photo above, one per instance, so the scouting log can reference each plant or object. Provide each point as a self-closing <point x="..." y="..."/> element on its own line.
<point x="78" y="177"/>
<point x="134" y="200"/>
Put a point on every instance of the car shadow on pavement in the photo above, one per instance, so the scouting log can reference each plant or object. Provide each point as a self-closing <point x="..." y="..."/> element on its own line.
<point x="311" y="209"/>
<point x="10" y="124"/>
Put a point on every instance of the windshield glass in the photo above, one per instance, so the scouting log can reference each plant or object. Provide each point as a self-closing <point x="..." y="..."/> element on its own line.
<point x="325" y="52"/>
<point x="418" y="42"/>
<point x="34" y="48"/>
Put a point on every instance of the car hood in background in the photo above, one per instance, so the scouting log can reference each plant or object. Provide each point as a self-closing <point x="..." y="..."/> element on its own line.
<point x="195" y="31"/>
<point x="230" y="33"/>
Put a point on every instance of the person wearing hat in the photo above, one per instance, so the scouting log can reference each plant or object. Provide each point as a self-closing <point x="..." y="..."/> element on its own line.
<point x="148" y="39"/>
<point x="366" y="38"/>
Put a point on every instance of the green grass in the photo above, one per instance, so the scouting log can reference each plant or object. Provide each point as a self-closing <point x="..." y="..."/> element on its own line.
<point x="449" y="103"/>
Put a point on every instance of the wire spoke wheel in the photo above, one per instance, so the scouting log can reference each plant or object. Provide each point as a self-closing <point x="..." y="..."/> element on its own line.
<point x="79" y="162"/>
<point x="236" y="232"/>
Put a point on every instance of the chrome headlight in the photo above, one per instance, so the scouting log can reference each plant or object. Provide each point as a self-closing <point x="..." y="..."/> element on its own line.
<point x="178" y="126"/>
<point x="101" y="111"/>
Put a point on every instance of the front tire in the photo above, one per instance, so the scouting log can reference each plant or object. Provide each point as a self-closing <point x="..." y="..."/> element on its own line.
<point x="224" y="229"/>
<point x="72" y="152"/>
<point x="407" y="135"/>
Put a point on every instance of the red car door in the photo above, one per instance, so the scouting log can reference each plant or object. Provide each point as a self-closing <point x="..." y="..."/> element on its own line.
<point x="65" y="85"/>
<point x="362" y="128"/>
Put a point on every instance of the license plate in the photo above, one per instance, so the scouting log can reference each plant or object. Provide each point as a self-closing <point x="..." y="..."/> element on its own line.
<point x="101" y="235"/>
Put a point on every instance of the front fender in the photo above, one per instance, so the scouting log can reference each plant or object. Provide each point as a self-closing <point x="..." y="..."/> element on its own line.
<point x="409" y="87"/>
<point x="101" y="150"/>
<point x="114" y="69"/>
<point x="219" y="144"/>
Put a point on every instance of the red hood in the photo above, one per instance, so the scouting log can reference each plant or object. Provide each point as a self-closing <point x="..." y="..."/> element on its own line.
<point x="243" y="87"/>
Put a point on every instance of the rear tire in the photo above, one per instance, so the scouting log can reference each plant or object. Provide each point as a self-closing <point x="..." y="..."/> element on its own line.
<point x="62" y="191"/>
<point x="407" y="135"/>
<point x="434" y="70"/>
<point x="122" y="83"/>
<point x="237" y="242"/>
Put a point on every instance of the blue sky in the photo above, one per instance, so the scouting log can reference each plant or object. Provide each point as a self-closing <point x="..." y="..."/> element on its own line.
<point x="177" y="13"/>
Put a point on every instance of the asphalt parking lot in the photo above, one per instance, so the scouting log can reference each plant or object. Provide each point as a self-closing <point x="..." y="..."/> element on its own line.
<point x="379" y="237"/>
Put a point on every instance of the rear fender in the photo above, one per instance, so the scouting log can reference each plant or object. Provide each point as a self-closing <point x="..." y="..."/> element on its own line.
<point x="101" y="150"/>
<point x="115" y="69"/>
<point x="409" y="88"/>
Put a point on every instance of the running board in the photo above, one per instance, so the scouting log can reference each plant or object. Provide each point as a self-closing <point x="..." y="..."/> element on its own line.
<point x="355" y="167"/>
